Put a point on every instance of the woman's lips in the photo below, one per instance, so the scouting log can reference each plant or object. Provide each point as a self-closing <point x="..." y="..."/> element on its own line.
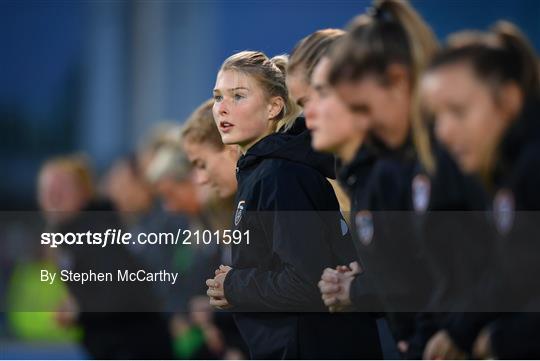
<point x="225" y="126"/>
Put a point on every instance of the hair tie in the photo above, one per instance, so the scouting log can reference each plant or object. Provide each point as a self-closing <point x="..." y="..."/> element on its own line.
<point x="379" y="13"/>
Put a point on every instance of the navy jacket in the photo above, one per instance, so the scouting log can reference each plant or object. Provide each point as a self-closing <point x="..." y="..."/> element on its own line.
<point x="296" y="230"/>
<point x="511" y="284"/>
<point x="458" y="245"/>
<point x="395" y="278"/>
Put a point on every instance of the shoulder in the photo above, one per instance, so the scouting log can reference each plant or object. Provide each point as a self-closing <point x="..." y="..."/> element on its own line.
<point x="390" y="184"/>
<point x="526" y="175"/>
<point x="283" y="170"/>
<point x="293" y="185"/>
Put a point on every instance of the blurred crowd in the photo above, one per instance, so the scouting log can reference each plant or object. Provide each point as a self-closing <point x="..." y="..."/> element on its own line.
<point x="153" y="189"/>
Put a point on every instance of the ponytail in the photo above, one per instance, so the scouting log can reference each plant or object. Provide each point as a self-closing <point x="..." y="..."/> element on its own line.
<point x="515" y="43"/>
<point x="290" y="108"/>
<point x="391" y="32"/>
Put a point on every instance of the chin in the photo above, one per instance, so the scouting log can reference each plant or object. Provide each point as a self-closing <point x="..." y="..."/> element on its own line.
<point x="224" y="194"/>
<point x="315" y="143"/>
<point x="319" y="146"/>
<point x="227" y="139"/>
<point x="468" y="166"/>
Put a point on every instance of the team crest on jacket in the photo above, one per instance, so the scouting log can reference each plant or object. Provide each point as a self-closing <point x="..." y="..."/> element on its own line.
<point x="503" y="210"/>
<point x="364" y="227"/>
<point x="421" y="192"/>
<point x="239" y="213"/>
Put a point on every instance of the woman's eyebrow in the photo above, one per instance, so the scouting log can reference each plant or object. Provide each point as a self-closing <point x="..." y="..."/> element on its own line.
<point x="318" y="87"/>
<point x="232" y="89"/>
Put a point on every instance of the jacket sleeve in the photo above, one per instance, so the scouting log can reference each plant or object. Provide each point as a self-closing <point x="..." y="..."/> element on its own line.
<point x="298" y="234"/>
<point x="516" y="336"/>
<point x="364" y="296"/>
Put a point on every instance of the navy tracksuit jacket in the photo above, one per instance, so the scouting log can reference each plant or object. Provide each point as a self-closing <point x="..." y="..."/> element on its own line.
<point x="296" y="230"/>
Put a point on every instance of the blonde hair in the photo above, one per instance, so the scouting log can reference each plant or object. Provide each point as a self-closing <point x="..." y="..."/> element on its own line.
<point x="78" y="165"/>
<point x="308" y="52"/>
<point x="270" y="75"/>
<point x="391" y="32"/>
<point x="169" y="161"/>
<point x="201" y="128"/>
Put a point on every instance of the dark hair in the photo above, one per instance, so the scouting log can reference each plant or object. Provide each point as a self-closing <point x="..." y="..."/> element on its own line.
<point x="308" y="52"/>
<point x="497" y="57"/>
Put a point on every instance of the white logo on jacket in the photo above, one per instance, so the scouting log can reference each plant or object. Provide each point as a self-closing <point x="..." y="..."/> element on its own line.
<point x="239" y="213"/>
<point x="421" y="192"/>
<point x="364" y="227"/>
<point x="503" y="210"/>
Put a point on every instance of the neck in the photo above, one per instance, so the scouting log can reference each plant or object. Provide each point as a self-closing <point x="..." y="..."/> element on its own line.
<point x="245" y="147"/>
<point x="348" y="150"/>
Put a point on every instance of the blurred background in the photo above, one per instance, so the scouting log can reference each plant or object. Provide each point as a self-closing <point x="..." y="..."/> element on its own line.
<point x="94" y="76"/>
<point x="97" y="76"/>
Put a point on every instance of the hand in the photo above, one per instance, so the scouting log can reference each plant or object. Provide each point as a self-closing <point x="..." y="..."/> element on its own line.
<point x="353" y="269"/>
<point x="403" y="346"/>
<point x="215" y="288"/>
<point x="335" y="287"/>
<point x="442" y="347"/>
<point x="222" y="269"/>
<point x="482" y="346"/>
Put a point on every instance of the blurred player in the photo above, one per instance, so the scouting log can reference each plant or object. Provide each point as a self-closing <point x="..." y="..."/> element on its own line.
<point x="485" y="97"/>
<point x="371" y="81"/>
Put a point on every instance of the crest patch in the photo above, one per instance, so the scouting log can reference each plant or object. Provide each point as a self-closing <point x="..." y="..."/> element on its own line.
<point x="364" y="227"/>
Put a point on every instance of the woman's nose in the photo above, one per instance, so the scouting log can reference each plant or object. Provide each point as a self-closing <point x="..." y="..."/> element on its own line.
<point x="309" y="113"/>
<point x="223" y="108"/>
<point x="444" y="130"/>
<point x="201" y="177"/>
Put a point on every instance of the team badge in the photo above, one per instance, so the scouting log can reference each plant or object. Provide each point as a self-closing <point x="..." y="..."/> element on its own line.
<point x="503" y="210"/>
<point x="364" y="227"/>
<point x="239" y="213"/>
<point x="344" y="227"/>
<point x="421" y="192"/>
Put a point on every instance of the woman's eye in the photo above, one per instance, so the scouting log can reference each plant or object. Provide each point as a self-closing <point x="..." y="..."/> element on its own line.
<point x="324" y="93"/>
<point x="459" y="111"/>
<point x="238" y="97"/>
<point x="218" y="98"/>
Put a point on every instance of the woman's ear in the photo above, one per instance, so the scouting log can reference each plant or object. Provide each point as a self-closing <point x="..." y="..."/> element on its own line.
<point x="275" y="106"/>
<point x="510" y="100"/>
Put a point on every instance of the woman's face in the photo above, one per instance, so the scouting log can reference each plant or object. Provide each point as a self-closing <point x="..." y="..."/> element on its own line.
<point x="59" y="191"/>
<point x="215" y="168"/>
<point x="299" y="91"/>
<point x="298" y="87"/>
<point x="332" y="124"/>
<point x="386" y="106"/>
<point x="241" y="109"/>
<point x="128" y="191"/>
<point x="467" y="120"/>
